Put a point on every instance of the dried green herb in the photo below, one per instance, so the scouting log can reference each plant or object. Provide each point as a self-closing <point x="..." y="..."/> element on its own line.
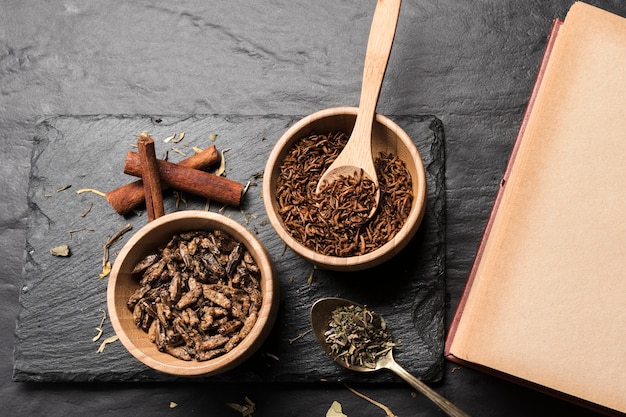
<point x="358" y="336"/>
<point x="334" y="222"/>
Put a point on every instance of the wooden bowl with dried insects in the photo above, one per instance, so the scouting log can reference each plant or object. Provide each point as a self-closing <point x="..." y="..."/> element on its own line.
<point x="333" y="228"/>
<point x="193" y="293"/>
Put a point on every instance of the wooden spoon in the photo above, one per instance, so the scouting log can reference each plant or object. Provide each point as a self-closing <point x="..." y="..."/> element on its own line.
<point x="357" y="154"/>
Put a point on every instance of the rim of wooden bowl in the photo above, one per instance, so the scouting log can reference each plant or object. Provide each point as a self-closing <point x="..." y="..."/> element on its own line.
<point x="121" y="285"/>
<point x="303" y="128"/>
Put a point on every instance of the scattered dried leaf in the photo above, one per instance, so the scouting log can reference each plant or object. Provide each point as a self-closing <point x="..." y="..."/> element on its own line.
<point x="106" y="270"/>
<point x="99" y="328"/>
<point x="271" y="356"/>
<point x="222" y="168"/>
<point x="180" y="137"/>
<point x="311" y="276"/>
<point x="249" y="216"/>
<point x="82" y="229"/>
<point x="87" y="210"/>
<point x="106" y="265"/>
<point x="65" y="187"/>
<point x="300" y="336"/>
<point x="180" y="198"/>
<point x="178" y="151"/>
<point x="91" y="190"/>
<point x="335" y="410"/>
<point x="107" y="341"/>
<point x="245" y="189"/>
<point x="383" y="407"/>
<point x="61" y="250"/>
<point x="97" y="336"/>
<point x="246" y="409"/>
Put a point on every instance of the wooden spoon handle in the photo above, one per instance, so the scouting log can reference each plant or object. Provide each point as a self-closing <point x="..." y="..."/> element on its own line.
<point x="441" y="402"/>
<point x="379" y="44"/>
<point x="358" y="151"/>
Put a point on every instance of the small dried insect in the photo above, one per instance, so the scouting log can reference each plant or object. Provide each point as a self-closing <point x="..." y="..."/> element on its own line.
<point x="199" y="295"/>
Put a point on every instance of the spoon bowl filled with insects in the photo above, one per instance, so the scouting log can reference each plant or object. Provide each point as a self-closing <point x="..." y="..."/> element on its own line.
<point x="193" y="293"/>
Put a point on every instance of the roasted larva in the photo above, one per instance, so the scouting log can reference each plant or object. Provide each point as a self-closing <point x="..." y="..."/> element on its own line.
<point x="337" y="222"/>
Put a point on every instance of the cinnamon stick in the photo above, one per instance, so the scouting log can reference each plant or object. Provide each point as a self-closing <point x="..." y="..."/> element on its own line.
<point x="150" y="177"/>
<point x="191" y="180"/>
<point x="125" y="198"/>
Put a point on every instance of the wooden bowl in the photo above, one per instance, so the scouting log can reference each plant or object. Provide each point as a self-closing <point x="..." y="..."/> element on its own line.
<point x="122" y="284"/>
<point x="387" y="137"/>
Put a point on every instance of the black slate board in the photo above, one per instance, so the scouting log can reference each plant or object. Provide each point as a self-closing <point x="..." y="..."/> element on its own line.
<point x="63" y="299"/>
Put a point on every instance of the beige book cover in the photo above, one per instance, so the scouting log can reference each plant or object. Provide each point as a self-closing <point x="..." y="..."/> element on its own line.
<point x="545" y="302"/>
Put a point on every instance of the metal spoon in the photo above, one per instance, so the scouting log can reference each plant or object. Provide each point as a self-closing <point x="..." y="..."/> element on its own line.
<point x="357" y="154"/>
<point x="320" y="318"/>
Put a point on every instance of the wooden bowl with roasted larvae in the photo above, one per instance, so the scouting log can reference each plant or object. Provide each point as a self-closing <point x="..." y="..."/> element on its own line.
<point x="332" y="228"/>
<point x="193" y="293"/>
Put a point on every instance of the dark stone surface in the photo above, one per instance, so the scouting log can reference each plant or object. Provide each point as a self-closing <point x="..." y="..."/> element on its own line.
<point x="471" y="63"/>
<point x="63" y="298"/>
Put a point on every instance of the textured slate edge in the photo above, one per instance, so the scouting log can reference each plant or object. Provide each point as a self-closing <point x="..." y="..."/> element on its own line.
<point x="428" y="296"/>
